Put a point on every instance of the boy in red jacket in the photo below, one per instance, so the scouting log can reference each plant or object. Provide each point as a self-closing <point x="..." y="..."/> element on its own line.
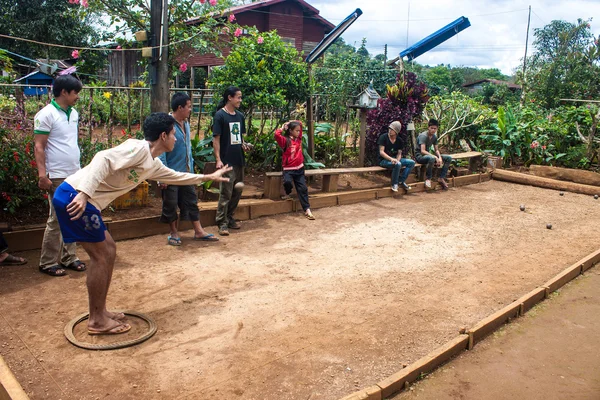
<point x="289" y="138"/>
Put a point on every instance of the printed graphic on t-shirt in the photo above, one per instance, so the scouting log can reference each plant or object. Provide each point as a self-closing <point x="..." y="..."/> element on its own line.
<point x="37" y="123"/>
<point x="236" y="132"/>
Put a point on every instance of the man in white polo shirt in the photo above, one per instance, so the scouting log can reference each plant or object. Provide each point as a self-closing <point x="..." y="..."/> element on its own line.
<point x="57" y="157"/>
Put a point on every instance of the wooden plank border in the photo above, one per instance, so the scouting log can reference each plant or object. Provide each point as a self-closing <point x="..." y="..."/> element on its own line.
<point x="10" y="389"/>
<point x="402" y="379"/>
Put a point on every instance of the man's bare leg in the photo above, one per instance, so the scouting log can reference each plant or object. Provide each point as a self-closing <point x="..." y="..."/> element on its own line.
<point x="199" y="230"/>
<point x="99" y="275"/>
<point x="174" y="229"/>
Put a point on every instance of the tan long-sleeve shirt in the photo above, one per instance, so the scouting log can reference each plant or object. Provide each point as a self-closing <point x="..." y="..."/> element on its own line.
<point x="116" y="171"/>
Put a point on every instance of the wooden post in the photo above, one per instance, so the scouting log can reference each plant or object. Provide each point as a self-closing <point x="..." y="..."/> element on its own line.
<point x="129" y="110"/>
<point x="200" y="113"/>
<point x="363" y="131"/>
<point x="142" y="107"/>
<point x="90" y="124"/>
<point x="159" y="71"/>
<point x="309" y="121"/>
<point x="110" y="120"/>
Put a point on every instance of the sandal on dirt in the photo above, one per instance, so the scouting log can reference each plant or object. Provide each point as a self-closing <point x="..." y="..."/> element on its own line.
<point x="208" y="238"/>
<point x="174" y="241"/>
<point x="121" y="328"/>
<point x="443" y="183"/>
<point x="75" y="266"/>
<point x="12" y="260"/>
<point x="309" y="216"/>
<point x="54" y="271"/>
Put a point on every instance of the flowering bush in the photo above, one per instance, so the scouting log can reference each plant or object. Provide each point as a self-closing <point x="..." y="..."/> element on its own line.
<point x="405" y="102"/>
<point x="18" y="172"/>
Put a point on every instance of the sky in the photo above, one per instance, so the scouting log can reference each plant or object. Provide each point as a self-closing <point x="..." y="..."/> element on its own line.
<point x="495" y="39"/>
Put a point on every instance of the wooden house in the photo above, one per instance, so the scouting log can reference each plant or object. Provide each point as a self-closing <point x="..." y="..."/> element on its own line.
<point x="297" y="22"/>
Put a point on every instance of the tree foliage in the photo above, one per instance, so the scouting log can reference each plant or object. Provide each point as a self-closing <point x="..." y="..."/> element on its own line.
<point x="566" y="64"/>
<point x="210" y="31"/>
<point x="343" y="73"/>
<point x="47" y="21"/>
<point x="270" y="73"/>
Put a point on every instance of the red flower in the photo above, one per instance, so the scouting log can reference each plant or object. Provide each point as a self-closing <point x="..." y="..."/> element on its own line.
<point x="4" y="195"/>
<point x="28" y="148"/>
<point x="123" y="133"/>
<point x="33" y="164"/>
<point x="16" y="178"/>
<point x="16" y="156"/>
<point x="543" y="147"/>
<point x="7" y="198"/>
<point x="45" y="195"/>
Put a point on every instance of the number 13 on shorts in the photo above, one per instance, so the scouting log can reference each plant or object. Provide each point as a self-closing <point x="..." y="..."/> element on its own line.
<point x="92" y="222"/>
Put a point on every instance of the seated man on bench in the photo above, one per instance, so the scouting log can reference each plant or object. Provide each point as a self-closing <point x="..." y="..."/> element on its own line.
<point x="423" y="156"/>
<point x="390" y="156"/>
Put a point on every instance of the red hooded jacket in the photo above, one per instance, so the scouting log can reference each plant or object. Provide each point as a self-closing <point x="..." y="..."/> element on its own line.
<point x="292" y="157"/>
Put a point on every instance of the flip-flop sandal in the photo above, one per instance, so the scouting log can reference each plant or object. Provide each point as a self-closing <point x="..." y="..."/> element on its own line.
<point x="208" y="238"/>
<point x="12" y="260"/>
<point x="121" y="328"/>
<point x="310" y="217"/>
<point x="173" y="241"/>
<point x="75" y="266"/>
<point x="53" y="271"/>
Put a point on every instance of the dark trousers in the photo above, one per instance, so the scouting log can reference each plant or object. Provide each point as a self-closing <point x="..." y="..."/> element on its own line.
<point x="429" y="161"/>
<point x="229" y="197"/>
<point x="297" y="177"/>
<point x="183" y="197"/>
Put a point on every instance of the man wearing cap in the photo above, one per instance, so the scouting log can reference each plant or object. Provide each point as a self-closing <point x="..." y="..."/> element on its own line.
<point x="390" y="156"/>
<point x="426" y="156"/>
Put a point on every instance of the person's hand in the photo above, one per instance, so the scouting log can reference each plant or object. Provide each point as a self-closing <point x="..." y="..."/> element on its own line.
<point x="77" y="206"/>
<point x="219" y="164"/>
<point x="217" y="176"/>
<point x="285" y="126"/>
<point x="439" y="161"/>
<point x="394" y="161"/>
<point x="247" y="146"/>
<point x="45" y="183"/>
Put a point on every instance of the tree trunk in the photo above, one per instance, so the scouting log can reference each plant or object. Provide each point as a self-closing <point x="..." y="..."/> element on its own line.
<point x="566" y="174"/>
<point x="159" y="76"/>
<point x="516" y="177"/>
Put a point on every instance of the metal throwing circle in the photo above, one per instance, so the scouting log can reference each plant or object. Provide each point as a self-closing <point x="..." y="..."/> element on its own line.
<point x="110" y="346"/>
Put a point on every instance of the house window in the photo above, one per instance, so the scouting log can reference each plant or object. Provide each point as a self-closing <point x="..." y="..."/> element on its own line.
<point x="289" y="41"/>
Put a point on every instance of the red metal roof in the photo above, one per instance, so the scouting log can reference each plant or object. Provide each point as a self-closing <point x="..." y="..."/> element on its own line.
<point x="311" y="11"/>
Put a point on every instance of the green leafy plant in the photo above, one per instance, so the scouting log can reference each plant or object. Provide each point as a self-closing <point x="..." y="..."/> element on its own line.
<point x="202" y="152"/>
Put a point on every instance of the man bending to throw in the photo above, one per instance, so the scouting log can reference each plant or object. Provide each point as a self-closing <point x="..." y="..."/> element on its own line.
<point x="79" y="199"/>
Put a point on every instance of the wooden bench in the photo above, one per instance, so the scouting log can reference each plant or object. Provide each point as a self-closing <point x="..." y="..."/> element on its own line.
<point x="330" y="179"/>
<point x="474" y="158"/>
<point x="330" y="176"/>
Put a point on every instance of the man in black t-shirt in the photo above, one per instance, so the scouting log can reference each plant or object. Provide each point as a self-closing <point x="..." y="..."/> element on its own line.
<point x="228" y="142"/>
<point x="390" y="156"/>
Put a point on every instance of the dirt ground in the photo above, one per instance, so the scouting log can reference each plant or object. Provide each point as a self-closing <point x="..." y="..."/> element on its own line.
<point x="288" y="308"/>
<point x="550" y="353"/>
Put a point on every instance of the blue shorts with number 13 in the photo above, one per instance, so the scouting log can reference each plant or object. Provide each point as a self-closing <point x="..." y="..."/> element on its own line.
<point x="89" y="228"/>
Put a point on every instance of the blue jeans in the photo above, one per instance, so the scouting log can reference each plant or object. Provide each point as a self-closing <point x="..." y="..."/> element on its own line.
<point x="430" y="161"/>
<point x="408" y="165"/>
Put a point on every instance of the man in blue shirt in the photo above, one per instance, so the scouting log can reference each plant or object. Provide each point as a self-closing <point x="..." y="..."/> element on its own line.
<point x="180" y="159"/>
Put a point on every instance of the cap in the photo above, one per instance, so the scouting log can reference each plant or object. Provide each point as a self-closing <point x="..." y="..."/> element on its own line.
<point x="396" y="126"/>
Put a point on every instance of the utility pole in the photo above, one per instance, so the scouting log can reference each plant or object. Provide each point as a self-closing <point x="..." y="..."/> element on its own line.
<point x="407" y="23"/>
<point x="384" y="55"/>
<point x="159" y="65"/>
<point x="524" y="83"/>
